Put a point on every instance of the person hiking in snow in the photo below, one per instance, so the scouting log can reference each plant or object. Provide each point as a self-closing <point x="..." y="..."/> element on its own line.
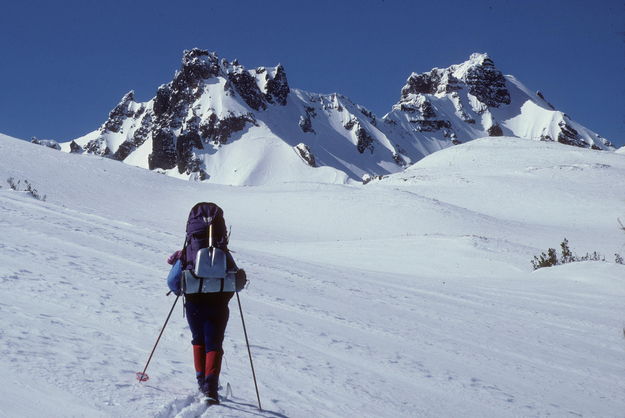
<point x="208" y="279"/>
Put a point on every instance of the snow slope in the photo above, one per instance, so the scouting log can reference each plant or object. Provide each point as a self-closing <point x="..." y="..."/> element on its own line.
<point x="411" y="296"/>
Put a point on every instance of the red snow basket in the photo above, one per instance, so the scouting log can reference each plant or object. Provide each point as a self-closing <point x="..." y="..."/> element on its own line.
<point x="142" y="377"/>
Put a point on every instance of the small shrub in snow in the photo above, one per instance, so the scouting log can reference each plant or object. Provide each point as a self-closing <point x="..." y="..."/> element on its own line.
<point x="567" y="255"/>
<point x="546" y="259"/>
<point x="12" y="183"/>
<point x="618" y="259"/>
<point x="28" y="188"/>
<point x="550" y="258"/>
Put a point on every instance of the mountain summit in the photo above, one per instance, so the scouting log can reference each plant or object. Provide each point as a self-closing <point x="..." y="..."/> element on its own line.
<point x="474" y="99"/>
<point x="219" y="121"/>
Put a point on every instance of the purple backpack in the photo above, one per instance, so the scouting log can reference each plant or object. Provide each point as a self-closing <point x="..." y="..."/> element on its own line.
<point x="202" y="216"/>
<point x="205" y="264"/>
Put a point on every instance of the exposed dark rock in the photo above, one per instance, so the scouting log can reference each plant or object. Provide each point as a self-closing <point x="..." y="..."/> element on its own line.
<point x="329" y="102"/>
<point x="367" y="178"/>
<point x="184" y="152"/>
<point x="203" y="175"/>
<point x="74" y="148"/>
<point x="456" y="141"/>
<point x="50" y="143"/>
<point x="430" y="125"/>
<point x="172" y="101"/>
<point x="399" y="160"/>
<point x="426" y="83"/>
<point x="162" y="100"/>
<point x="139" y="111"/>
<point x="367" y="113"/>
<point x="349" y="125"/>
<point x="247" y="88"/>
<point x="365" y="140"/>
<point x="540" y="94"/>
<point x="306" y="154"/>
<point x="219" y="131"/>
<point x="488" y="84"/>
<point x="163" y="150"/>
<point x="306" y="124"/>
<point x="337" y="102"/>
<point x="435" y="81"/>
<point x="278" y="87"/>
<point x="192" y="123"/>
<point x="569" y="136"/>
<point x="120" y="112"/>
<point x="197" y="65"/>
<point x="98" y="146"/>
<point x="424" y="107"/>
<point x="124" y="150"/>
<point x="452" y="84"/>
<point x="138" y="138"/>
<point x="311" y="111"/>
<point x="495" y="130"/>
<point x="305" y="121"/>
<point x="604" y="141"/>
<point x="448" y="133"/>
<point x="427" y="110"/>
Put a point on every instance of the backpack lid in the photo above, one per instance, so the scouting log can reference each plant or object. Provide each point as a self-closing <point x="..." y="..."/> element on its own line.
<point x="202" y="215"/>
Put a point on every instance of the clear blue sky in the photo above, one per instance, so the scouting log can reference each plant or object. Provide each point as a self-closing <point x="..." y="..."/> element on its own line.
<point x="66" y="64"/>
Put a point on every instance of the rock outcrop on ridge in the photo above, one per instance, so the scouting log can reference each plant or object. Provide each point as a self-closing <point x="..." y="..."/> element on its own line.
<point x="473" y="100"/>
<point x="219" y="121"/>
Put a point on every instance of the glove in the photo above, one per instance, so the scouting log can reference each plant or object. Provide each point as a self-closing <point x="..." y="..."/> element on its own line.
<point x="174" y="257"/>
<point x="240" y="280"/>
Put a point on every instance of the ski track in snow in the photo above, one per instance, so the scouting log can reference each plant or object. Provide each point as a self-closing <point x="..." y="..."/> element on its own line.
<point x="83" y="299"/>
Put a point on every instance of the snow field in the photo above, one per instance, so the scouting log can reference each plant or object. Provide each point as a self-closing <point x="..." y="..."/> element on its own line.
<point x="413" y="296"/>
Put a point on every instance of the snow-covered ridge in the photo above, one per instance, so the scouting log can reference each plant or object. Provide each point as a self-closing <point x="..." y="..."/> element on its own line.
<point x="220" y="122"/>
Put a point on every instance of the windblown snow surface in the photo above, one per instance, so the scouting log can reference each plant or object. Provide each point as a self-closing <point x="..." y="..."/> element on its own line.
<point x="412" y="296"/>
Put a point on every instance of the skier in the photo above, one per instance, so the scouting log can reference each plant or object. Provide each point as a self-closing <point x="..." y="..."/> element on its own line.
<point x="207" y="313"/>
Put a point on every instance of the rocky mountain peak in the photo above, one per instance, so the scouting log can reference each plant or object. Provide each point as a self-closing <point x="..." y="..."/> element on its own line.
<point x="473" y="99"/>
<point x="485" y="81"/>
<point x="478" y="74"/>
<point x="123" y="110"/>
<point x="199" y="64"/>
<point x="212" y="103"/>
<point x="277" y="87"/>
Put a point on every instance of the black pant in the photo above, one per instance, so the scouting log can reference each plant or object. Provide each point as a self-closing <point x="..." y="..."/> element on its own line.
<point x="207" y="314"/>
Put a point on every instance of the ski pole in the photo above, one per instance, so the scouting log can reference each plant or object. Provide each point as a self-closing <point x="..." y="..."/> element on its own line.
<point x="141" y="376"/>
<point x="249" y="352"/>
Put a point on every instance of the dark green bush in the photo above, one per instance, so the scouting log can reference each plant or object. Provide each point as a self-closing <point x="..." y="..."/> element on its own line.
<point x="550" y="258"/>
